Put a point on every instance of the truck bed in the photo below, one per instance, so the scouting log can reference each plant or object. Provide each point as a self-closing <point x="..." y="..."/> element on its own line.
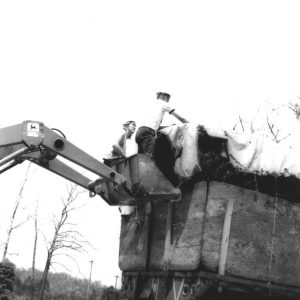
<point x="218" y="228"/>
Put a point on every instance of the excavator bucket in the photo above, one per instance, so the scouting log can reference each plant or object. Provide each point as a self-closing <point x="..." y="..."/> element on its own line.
<point x="146" y="180"/>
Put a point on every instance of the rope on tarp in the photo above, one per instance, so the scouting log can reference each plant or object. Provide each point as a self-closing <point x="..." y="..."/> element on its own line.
<point x="272" y="242"/>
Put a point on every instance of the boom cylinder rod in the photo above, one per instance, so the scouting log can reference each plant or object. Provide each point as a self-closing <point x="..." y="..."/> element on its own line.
<point x="13" y="155"/>
<point x="12" y="164"/>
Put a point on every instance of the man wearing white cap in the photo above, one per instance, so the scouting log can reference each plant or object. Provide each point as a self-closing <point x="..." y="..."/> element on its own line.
<point x="145" y="136"/>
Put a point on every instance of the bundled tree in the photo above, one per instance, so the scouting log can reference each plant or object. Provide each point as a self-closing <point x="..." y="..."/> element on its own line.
<point x="65" y="237"/>
<point x="110" y="293"/>
<point x="61" y="286"/>
<point x="7" y="279"/>
<point x="295" y="107"/>
<point x="97" y="290"/>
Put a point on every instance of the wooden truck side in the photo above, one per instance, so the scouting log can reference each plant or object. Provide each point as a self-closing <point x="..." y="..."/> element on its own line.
<point x="218" y="237"/>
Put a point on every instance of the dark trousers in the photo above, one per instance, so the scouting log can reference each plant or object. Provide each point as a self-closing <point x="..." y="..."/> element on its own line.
<point x="145" y="138"/>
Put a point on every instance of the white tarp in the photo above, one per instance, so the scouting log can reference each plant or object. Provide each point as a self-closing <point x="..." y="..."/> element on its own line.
<point x="272" y="145"/>
<point x="268" y="143"/>
<point x="184" y="139"/>
<point x="260" y="154"/>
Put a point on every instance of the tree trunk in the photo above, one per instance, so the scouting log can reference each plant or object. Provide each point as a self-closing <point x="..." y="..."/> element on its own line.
<point x="7" y="241"/>
<point x="33" y="258"/>
<point x="11" y="226"/>
<point x="61" y="240"/>
<point x="48" y="263"/>
<point x="45" y="276"/>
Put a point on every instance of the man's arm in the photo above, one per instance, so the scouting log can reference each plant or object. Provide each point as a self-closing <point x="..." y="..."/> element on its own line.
<point x="171" y="111"/>
<point x="118" y="147"/>
<point x="118" y="150"/>
<point x="181" y="119"/>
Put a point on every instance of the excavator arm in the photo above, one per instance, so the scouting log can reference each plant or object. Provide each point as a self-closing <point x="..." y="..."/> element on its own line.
<point x="33" y="141"/>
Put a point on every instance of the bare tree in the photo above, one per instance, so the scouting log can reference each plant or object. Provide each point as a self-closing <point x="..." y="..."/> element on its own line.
<point x="239" y="122"/>
<point x="275" y="132"/>
<point x="65" y="237"/>
<point x="12" y="225"/>
<point x="295" y="107"/>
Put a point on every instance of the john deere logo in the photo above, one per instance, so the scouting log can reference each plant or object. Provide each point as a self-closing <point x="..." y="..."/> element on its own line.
<point x="33" y="129"/>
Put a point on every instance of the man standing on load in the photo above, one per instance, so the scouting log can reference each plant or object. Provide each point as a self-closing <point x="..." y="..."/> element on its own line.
<point x="146" y="134"/>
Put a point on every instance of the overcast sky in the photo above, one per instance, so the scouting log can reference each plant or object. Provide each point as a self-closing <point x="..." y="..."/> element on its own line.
<point x="85" y="67"/>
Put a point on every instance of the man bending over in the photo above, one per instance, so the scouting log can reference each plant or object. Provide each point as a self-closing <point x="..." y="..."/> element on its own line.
<point x="145" y="136"/>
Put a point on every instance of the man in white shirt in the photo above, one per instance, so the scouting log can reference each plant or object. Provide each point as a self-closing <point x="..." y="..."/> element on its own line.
<point x="145" y="136"/>
<point x="124" y="146"/>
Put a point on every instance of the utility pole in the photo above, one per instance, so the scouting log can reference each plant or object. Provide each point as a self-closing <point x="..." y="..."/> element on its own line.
<point x="89" y="283"/>
<point x="116" y="286"/>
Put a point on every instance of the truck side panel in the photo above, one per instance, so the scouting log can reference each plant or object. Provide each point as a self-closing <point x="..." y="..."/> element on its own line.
<point x="263" y="243"/>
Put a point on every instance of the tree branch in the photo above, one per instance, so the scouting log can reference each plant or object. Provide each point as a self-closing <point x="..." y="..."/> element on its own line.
<point x="60" y="264"/>
<point x="20" y="224"/>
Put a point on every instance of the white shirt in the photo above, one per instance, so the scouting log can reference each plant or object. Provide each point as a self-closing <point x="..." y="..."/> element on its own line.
<point x="155" y="113"/>
<point x="131" y="146"/>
